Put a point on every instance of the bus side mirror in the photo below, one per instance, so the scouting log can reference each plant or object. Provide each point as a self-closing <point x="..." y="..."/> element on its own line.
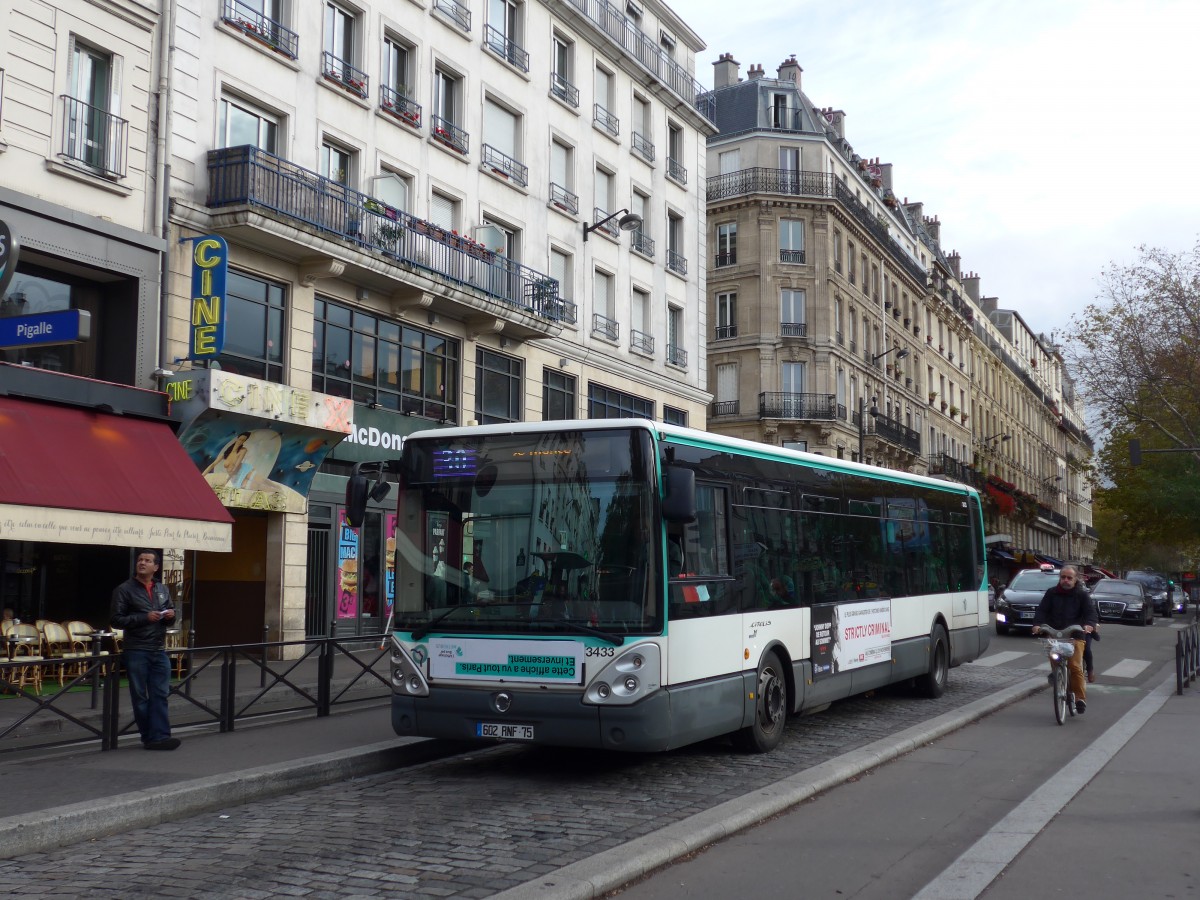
<point x="359" y="489"/>
<point x="679" y="503"/>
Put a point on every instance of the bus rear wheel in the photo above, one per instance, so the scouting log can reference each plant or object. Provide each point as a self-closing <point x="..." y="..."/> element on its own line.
<point x="770" y="709"/>
<point x="933" y="683"/>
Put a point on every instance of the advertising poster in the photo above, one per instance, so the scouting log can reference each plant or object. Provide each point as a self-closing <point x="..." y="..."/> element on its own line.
<point x="824" y="621"/>
<point x="850" y="635"/>
<point x="390" y="564"/>
<point x="347" y="570"/>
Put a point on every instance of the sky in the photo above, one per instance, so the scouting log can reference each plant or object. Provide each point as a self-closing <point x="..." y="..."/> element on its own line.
<point x="1050" y="138"/>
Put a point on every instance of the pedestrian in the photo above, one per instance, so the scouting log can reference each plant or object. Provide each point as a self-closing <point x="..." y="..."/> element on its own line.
<point x="142" y="608"/>
<point x="1093" y="635"/>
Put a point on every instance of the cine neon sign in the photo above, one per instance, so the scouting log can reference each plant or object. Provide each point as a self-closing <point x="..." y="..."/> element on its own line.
<point x="210" y="266"/>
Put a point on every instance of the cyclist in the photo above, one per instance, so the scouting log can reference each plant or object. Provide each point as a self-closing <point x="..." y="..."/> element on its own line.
<point x="1068" y="603"/>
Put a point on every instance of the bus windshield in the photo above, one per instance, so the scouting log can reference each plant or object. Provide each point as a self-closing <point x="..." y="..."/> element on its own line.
<point x="517" y="534"/>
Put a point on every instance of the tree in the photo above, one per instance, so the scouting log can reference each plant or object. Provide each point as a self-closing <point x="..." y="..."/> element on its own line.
<point x="1135" y="356"/>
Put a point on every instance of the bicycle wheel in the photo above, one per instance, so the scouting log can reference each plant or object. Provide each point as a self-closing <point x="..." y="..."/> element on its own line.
<point x="1060" y="694"/>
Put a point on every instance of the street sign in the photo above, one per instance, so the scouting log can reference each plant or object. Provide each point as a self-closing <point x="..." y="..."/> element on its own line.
<point x="68" y="326"/>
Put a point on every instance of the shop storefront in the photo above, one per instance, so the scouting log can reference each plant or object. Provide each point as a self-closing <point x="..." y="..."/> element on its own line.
<point x="90" y="472"/>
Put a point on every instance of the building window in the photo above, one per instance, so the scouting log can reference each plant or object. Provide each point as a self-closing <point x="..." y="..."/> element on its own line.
<point x="93" y="133"/>
<point x="339" y="50"/>
<point x="791" y="377"/>
<point x="254" y="327"/>
<point x="673" y="416"/>
<point x="446" y="123"/>
<point x="676" y="261"/>
<point x="502" y="143"/>
<point x="792" y="316"/>
<point x="837" y="251"/>
<point x="850" y="262"/>
<point x="336" y="163"/>
<point x="727" y="244"/>
<point x="443" y="211"/>
<point x="562" y="77"/>
<point x="676" y="170"/>
<point x="602" y="115"/>
<point x="676" y="354"/>
<point x="558" y="395"/>
<point x="726" y="316"/>
<point x="643" y="129"/>
<point x="239" y="123"/>
<point x="607" y="403"/>
<point x="376" y="360"/>
<point x="791" y="241"/>
<point x="562" y="177"/>
<point x="503" y="34"/>
<point x="497" y="388"/>
<point x="802" y="446"/>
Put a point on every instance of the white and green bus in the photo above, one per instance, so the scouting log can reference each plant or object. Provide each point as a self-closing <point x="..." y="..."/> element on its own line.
<point x="637" y="586"/>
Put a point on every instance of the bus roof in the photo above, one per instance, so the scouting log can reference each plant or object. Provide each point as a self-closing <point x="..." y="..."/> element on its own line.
<point x="692" y="436"/>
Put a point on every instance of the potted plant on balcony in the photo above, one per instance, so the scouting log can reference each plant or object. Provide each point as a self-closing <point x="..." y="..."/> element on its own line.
<point x="944" y="405"/>
<point x="932" y="397"/>
<point x="929" y="339"/>
<point x="964" y="418"/>
<point x="953" y="411"/>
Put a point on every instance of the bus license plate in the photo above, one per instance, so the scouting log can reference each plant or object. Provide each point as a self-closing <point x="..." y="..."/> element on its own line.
<point x="504" y="732"/>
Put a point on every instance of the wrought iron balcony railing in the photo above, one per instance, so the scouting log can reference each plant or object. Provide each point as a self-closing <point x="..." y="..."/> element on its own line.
<point x="791" y="256"/>
<point x="895" y="432"/>
<point x="342" y="73"/>
<point x="793" y="329"/>
<point x="639" y="340"/>
<point x="784" y="405"/>
<point x="610" y="227"/>
<point x="400" y="107"/>
<point x="561" y="88"/>
<point x="723" y="408"/>
<point x="505" y="47"/>
<point x="253" y="23"/>
<point x="641" y="244"/>
<point x="450" y="135"/>
<point x="676" y="170"/>
<point x="602" y="118"/>
<point x="725" y="259"/>
<point x="563" y="199"/>
<point x="643" y="146"/>
<point x="676" y="262"/>
<point x="724" y="332"/>
<point x="94" y="137"/>
<point x="457" y="13"/>
<point x="278" y="188"/>
<point x="504" y="165"/>
<point x="677" y="356"/>
<point x="945" y="464"/>
<point x="603" y="326"/>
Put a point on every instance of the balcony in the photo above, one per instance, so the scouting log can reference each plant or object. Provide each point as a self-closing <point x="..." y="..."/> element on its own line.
<point x="449" y="135"/>
<point x="641" y="243"/>
<point x="791" y="256"/>
<point x="677" y="356"/>
<point x="641" y="342"/>
<point x="94" y="137"/>
<point x="895" y="432"/>
<point x="401" y="108"/>
<point x="725" y="332"/>
<point x="564" y="90"/>
<point x="609" y="228"/>
<point x="676" y="262"/>
<point x="252" y="23"/>
<point x="676" y="171"/>
<point x="457" y="14"/>
<point x="723" y="408"/>
<point x="563" y="199"/>
<point x="725" y="259"/>
<point x="506" y="48"/>
<point x="944" y="464"/>
<point x="505" y="166"/>
<point x="605" y="120"/>
<point x="273" y="188"/>
<point x="793" y="329"/>
<point x="643" y="147"/>
<point x="603" y="326"/>
<point x="344" y="75"/>
<point x="783" y="405"/>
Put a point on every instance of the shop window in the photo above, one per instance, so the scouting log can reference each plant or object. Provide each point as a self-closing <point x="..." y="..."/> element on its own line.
<point x="607" y="403"/>
<point x="558" y="395"/>
<point x="497" y="388"/>
<point x="255" y="327"/>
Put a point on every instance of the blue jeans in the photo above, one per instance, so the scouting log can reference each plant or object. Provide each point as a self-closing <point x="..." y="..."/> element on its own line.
<point x="149" y="686"/>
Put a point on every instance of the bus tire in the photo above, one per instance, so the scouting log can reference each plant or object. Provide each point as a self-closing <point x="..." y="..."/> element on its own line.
<point x="770" y="709"/>
<point x="933" y="683"/>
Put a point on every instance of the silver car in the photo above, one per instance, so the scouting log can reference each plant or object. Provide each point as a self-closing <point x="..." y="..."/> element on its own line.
<point x="1015" y="608"/>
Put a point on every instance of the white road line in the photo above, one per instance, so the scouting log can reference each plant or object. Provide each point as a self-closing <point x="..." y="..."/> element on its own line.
<point x="970" y="874"/>
<point x="1127" y="668"/>
<point x="1000" y="659"/>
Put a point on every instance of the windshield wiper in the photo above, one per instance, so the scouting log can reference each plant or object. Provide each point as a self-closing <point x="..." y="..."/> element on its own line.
<point x="419" y="633"/>
<point x="576" y="628"/>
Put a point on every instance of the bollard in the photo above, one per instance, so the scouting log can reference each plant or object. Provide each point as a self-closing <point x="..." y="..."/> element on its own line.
<point x="262" y="670"/>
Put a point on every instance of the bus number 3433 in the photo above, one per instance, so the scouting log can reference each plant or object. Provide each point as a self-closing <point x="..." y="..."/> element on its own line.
<point x="601" y="651"/>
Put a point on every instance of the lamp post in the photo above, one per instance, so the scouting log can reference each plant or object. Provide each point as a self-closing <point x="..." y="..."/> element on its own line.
<point x="629" y="221"/>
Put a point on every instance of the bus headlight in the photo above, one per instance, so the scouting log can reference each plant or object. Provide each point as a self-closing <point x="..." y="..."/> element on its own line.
<point x="628" y="677"/>
<point x="407" y="676"/>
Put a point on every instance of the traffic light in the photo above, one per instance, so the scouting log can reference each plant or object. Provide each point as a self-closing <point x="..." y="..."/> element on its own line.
<point x="1135" y="452"/>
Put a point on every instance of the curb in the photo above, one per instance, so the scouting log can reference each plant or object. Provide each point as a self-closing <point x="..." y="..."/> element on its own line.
<point x="597" y="875"/>
<point x="53" y="828"/>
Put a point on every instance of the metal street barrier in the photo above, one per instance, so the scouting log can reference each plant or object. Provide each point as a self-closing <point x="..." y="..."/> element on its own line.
<point x="1187" y="655"/>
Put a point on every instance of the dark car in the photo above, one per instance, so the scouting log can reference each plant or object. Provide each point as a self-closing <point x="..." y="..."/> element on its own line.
<point x="1122" y="600"/>
<point x="1016" y="606"/>
<point x="1161" y="592"/>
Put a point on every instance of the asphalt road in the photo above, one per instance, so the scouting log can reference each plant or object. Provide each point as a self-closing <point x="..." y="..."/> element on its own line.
<point x="896" y="829"/>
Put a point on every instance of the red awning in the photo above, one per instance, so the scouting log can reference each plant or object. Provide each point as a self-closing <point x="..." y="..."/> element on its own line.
<point x="81" y="476"/>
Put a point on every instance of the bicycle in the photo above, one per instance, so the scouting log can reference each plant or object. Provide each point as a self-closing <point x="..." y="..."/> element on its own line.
<point x="1059" y="648"/>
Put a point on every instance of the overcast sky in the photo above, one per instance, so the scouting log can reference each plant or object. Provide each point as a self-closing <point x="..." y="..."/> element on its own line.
<point x="1050" y="138"/>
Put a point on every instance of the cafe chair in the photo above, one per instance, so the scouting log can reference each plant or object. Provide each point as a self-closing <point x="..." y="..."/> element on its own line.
<point x="176" y="641"/>
<point x="81" y="633"/>
<point x="26" y="646"/>
<point x="58" y="645"/>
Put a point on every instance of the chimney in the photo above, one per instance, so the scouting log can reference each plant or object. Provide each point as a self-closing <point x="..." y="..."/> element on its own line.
<point x="837" y="119"/>
<point x="789" y="70"/>
<point x="725" y="71"/>
<point x="971" y="286"/>
<point x="915" y="209"/>
<point x="886" y="169"/>
<point x="955" y="264"/>
<point x="755" y="71"/>
<point x="934" y="227"/>
<point x="989" y="304"/>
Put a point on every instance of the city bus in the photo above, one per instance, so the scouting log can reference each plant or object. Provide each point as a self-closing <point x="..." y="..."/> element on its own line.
<point x="637" y="586"/>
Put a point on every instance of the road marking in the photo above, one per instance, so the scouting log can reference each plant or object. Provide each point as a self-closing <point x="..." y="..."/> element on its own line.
<point x="1000" y="659"/>
<point x="1127" y="668"/>
<point x="969" y="875"/>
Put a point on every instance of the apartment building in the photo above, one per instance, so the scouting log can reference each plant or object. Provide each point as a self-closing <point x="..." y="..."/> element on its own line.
<point x="841" y="327"/>
<point x="432" y="213"/>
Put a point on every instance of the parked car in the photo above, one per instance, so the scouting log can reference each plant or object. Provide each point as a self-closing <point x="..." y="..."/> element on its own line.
<point x="1016" y="606"/>
<point x="1122" y="600"/>
<point x="1161" y="591"/>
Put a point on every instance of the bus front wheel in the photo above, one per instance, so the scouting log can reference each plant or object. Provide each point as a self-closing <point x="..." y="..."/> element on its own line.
<point x="770" y="709"/>
<point x="933" y="683"/>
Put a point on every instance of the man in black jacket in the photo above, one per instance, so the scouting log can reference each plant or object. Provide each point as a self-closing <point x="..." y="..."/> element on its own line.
<point x="142" y="608"/>
<point x="1068" y="603"/>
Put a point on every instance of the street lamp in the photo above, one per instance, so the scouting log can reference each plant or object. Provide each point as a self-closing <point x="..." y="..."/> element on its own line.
<point x="629" y="221"/>
<point x="1002" y="436"/>
<point x="901" y="353"/>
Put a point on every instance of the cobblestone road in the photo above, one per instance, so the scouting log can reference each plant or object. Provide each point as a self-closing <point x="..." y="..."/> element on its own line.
<point x="469" y="826"/>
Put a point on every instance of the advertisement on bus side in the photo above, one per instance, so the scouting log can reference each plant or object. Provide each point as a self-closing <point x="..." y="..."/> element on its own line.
<point x="850" y="635"/>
